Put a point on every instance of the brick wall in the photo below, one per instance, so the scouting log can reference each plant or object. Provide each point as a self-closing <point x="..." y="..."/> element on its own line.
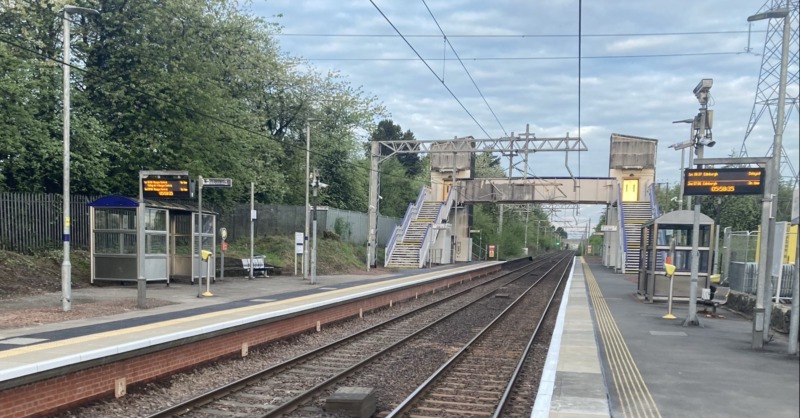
<point x="54" y="394"/>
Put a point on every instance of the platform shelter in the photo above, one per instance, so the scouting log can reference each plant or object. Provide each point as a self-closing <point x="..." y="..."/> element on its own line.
<point x="657" y="236"/>
<point x="169" y="246"/>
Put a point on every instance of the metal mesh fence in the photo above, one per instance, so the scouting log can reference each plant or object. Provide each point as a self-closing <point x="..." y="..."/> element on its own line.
<point x="742" y="270"/>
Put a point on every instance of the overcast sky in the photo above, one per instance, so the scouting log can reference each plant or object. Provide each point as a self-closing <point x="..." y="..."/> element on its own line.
<point x="641" y="61"/>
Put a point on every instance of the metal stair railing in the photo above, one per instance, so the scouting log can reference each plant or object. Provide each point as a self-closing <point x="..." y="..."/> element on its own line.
<point x="623" y="241"/>
<point x="426" y="244"/>
<point x="444" y="209"/>
<point x="654" y="209"/>
<point x="430" y="236"/>
<point x="411" y="213"/>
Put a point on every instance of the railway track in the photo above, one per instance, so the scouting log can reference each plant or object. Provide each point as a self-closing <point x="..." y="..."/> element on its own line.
<point x="481" y="379"/>
<point x="282" y="388"/>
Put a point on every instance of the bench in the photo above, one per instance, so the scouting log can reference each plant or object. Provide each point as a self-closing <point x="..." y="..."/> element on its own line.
<point x="717" y="296"/>
<point x="259" y="267"/>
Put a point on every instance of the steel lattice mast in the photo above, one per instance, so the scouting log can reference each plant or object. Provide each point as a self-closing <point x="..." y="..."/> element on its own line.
<point x="766" y="98"/>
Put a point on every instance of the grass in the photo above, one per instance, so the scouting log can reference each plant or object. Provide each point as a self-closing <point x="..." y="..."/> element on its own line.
<point x="333" y="256"/>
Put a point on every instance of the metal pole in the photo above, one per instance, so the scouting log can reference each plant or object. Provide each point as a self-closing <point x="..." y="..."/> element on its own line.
<point x="691" y="317"/>
<point x="795" y="316"/>
<point x="314" y="233"/>
<point x="669" y="314"/>
<point x="141" y="250"/>
<point x="680" y="196"/>
<point x="372" y="204"/>
<point x="66" y="266"/>
<point x="305" y="236"/>
<point x="252" y="225"/>
<point x="527" y="214"/>
<point x="715" y="268"/>
<point x="774" y="184"/>
<point x="199" y="233"/>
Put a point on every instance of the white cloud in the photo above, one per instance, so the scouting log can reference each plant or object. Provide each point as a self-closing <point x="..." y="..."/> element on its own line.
<point x="637" y="96"/>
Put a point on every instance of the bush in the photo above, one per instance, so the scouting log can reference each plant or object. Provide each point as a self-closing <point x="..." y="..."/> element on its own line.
<point x="327" y="234"/>
<point x="342" y="228"/>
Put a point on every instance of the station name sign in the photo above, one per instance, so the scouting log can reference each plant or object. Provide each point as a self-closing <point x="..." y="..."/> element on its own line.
<point x="174" y="186"/>
<point x="723" y="181"/>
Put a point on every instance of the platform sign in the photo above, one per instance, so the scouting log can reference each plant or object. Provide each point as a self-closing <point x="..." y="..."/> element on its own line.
<point x="491" y="251"/>
<point x="166" y="186"/>
<point x="217" y="182"/>
<point x="298" y="243"/>
<point x="723" y="181"/>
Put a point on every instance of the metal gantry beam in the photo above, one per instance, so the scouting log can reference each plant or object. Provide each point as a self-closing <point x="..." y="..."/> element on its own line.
<point x="522" y="144"/>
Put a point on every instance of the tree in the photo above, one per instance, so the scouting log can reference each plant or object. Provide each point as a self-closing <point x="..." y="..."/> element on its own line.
<point x="195" y="85"/>
<point x="401" y="174"/>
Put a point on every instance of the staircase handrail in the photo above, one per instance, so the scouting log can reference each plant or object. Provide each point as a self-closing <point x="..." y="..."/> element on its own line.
<point x="426" y="244"/>
<point x="399" y="231"/>
<point x="444" y="209"/>
<point x="420" y="199"/>
<point x="623" y="241"/>
<point x="411" y="213"/>
<point x="655" y="211"/>
<point x="389" y="249"/>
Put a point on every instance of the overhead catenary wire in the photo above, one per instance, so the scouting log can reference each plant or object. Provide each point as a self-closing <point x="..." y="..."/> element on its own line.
<point x="465" y="68"/>
<point x="431" y="69"/>
<point x="523" y="36"/>
<point x="546" y="58"/>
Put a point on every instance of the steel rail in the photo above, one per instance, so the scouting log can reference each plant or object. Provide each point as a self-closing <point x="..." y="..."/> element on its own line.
<point x="225" y="390"/>
<point x="512" y="381"/>
<point x="415" y="396"/>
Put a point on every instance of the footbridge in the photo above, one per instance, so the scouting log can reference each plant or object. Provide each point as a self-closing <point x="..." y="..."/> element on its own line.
<point x="436" y="227"/>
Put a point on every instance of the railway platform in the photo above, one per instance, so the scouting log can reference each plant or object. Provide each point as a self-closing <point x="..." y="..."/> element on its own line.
<point x="611" y="354"/>
<point x="655" y="367"/>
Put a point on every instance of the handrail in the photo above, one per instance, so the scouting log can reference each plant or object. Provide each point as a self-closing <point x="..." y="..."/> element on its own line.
<point x="411" y="213"/>
<point x="398" y="232"/>
<point x="420" y="197"/>
<point x="623" y="241"/>
<point x="654" y="209"/>
<point x="426" y="244"/>
<point x="389" y="249"/>
<point x="447" y="205"/>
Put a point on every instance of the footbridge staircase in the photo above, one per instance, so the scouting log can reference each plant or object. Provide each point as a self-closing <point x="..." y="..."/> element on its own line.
<point x="410" y="241"/>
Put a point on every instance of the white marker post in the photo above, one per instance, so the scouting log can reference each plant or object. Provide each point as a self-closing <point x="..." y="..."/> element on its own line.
<point x="298" y="248"/>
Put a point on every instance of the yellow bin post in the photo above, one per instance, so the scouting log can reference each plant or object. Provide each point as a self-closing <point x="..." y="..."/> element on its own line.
<point x="206" y="254"/>
<point x="669" y="269"/>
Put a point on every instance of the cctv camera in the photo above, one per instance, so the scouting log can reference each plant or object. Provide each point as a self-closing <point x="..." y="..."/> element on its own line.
<point x="703" y="86"/>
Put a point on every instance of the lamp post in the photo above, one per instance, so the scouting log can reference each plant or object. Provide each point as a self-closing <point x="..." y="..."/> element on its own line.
<point x="537" y="233"/>
<point x="762" y="311"/>
<point x="307" y="212"/>
<point x="66" y="266"/>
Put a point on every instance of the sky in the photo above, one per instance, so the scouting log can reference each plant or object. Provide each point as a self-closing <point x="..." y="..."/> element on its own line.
<point x="519" y="66"/>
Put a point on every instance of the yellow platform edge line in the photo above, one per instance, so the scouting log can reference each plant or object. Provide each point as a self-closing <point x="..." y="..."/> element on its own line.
<point x="635" y="397"/>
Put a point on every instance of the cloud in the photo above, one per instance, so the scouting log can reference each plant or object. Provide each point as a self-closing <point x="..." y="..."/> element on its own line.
<point x="536" y="82"/>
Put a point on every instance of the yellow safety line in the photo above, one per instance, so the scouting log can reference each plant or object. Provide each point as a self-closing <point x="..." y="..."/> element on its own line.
<point x="635" y="399"/>
<point x="93" y="337"/>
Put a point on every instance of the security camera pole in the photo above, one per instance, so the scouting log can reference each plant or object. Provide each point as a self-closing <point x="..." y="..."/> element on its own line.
<point x="315" y="184"/>
<point x="701" y="139"/>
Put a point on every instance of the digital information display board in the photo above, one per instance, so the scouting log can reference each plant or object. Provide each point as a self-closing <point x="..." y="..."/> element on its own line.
<point x="723" y="181"/>
<point x="166" y="187"/>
